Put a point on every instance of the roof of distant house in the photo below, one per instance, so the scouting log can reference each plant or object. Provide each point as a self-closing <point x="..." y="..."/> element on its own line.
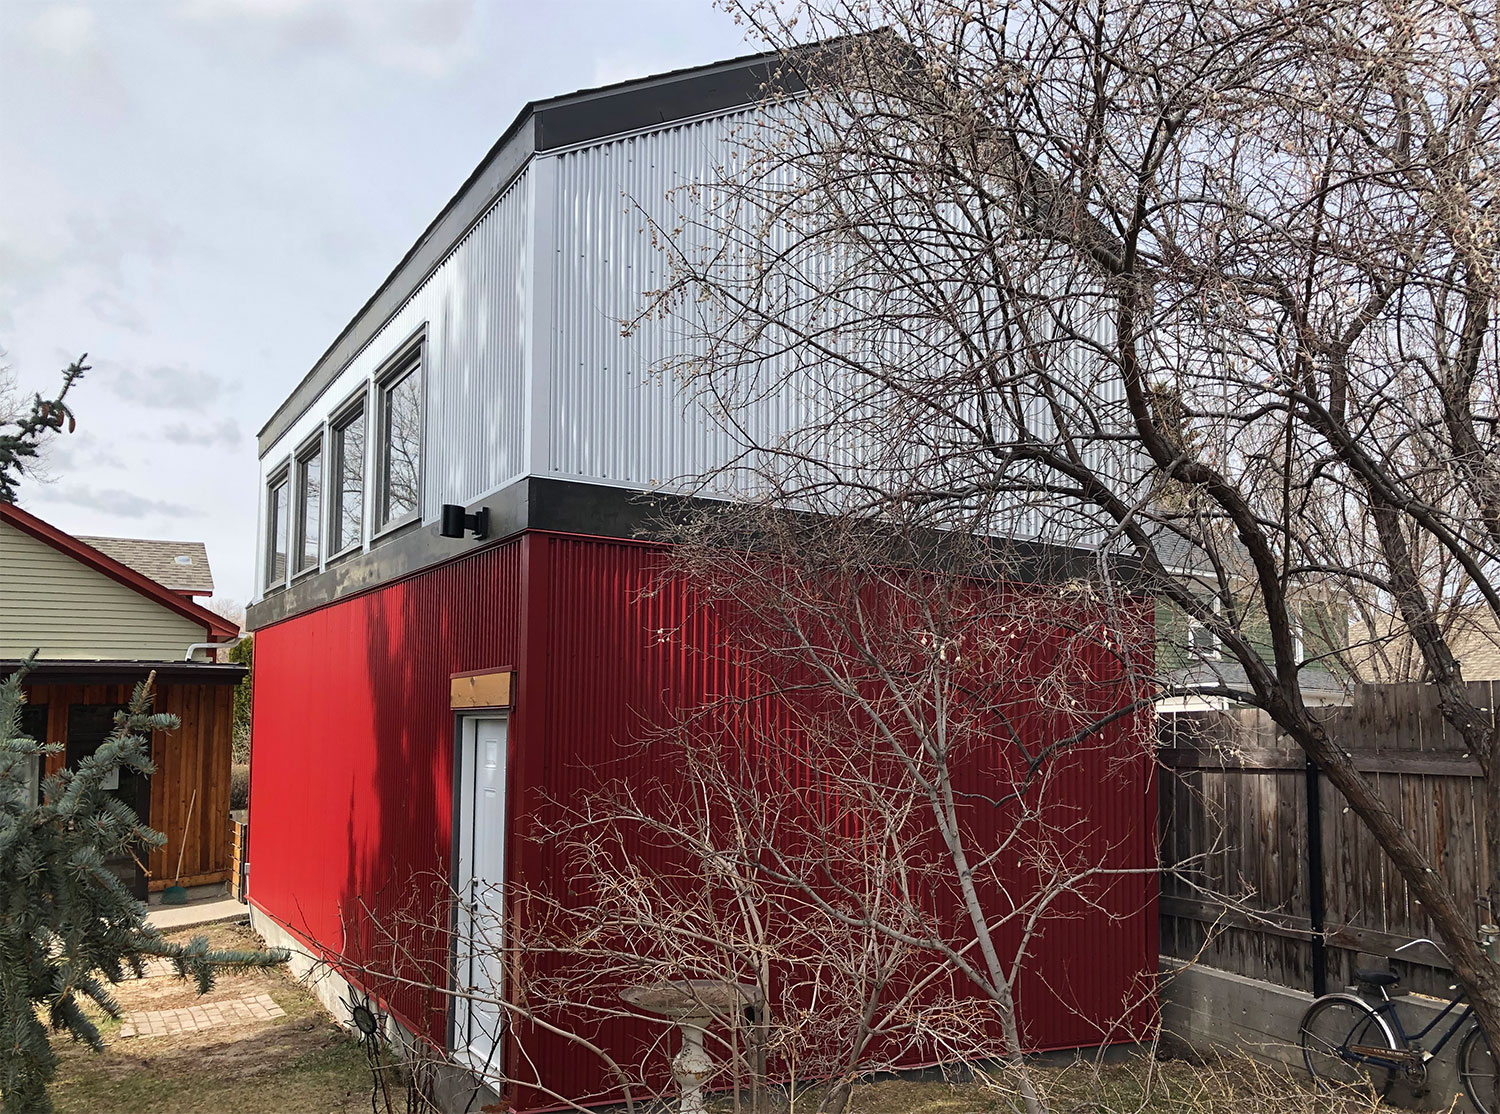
<point x="180" y="566"/>
<point x="1229" y="678"/>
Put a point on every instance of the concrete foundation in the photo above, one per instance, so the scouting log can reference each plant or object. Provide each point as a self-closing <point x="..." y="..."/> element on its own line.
<point x="1203" y="1009"/>
<point x="453" y="1089"/>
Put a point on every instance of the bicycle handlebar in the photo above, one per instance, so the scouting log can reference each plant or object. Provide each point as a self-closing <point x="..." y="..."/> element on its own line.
<point x="1422" y="940"/>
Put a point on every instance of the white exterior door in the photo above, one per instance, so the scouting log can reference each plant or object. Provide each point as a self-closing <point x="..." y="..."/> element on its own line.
<point x="481" y="878"/>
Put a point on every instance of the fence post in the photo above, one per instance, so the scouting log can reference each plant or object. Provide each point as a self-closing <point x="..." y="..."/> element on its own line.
<point x="1315" y="909"/>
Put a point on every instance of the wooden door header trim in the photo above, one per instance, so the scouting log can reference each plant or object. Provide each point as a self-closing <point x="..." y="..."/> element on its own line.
<point x="491" y="688"/>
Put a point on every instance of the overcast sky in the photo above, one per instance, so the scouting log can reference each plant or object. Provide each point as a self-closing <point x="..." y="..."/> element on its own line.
<point x="200" y="193"/>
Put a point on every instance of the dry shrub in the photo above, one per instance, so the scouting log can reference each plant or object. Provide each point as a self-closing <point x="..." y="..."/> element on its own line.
<point x="239" y="787"/>
<point x="1216" y="1083"/>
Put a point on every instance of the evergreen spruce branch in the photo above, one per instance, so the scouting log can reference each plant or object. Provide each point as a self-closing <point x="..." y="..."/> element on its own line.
<point x="69" y="927"/>
<point x="20" y="443"/>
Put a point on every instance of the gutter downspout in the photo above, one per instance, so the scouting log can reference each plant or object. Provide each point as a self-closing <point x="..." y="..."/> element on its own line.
<point x="196" y="646"/>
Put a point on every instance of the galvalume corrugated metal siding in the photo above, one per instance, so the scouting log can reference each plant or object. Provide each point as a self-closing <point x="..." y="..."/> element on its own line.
<point x="351" y="786"/>
<point x="474" y="434"/>
<point x="618" y="413"/>
<point x="615" y="416"/>
<point x="475" y="309"/>
<point x="508" y="374"/>
<point x="351" y="795"/>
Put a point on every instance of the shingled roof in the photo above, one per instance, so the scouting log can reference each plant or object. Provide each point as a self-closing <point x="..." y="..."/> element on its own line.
<point x="180" y="566"/>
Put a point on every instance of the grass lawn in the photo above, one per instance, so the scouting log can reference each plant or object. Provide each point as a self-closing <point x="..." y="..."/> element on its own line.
<point x="299" y="1063"/>
<point x="1127" y="1084"/>
<point x="303" y="1064"/>
<point x="1131" y="1087"/>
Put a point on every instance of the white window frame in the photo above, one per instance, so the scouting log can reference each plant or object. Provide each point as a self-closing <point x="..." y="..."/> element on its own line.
<point x="356" y="406"/>
<point x="1215" y="649"/>
<point x="312" y="447"/>
<point x="278" y="477"/>
<point x="409" y="359"/>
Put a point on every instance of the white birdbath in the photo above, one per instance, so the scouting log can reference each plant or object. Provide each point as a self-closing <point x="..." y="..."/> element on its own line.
<point x="692" y="1003"/>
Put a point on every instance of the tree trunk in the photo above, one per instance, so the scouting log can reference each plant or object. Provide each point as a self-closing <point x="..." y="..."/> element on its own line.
<point x="1491" y="883"/>
<point x="999" y="988"/>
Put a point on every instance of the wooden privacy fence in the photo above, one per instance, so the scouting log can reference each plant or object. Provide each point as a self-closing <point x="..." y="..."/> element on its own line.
<point x="1257" y="882"/>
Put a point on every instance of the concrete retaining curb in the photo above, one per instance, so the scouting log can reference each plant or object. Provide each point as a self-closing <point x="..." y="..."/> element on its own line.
<point x="1204" y="1008"/>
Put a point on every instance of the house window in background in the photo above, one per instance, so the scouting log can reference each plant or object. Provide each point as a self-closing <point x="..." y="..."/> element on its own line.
<point x="277" y="509"/>
<point x="1202" y="643"/>
<point x="309" y="505"/>
<point x="400" y="439"/>
<point x="34" y="727"/>
<point x="348" y="491"/>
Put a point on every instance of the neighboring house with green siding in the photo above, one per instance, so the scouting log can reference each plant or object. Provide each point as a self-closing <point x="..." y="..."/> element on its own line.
<point x="1201" y="676"/>
<point x="67" y="608"/>
<point x="99" y="625"/>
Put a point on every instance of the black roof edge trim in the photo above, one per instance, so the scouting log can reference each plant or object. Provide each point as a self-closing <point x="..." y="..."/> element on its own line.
<point x="108" y="671"/>
<point x="654" y="102"/>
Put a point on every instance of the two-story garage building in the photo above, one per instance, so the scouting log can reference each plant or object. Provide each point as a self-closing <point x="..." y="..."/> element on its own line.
<point x="419" y="697"/>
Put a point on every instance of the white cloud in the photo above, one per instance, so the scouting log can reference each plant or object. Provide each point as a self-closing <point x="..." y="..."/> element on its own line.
<point x="106" y="253"/>
<point x="165" y="388"/>
<point x="205" y="434"/>
<point x="121" y="504"/>
<point x="78" y="452"/>
<point x="67" y="30"/>
<point x="429" y="38"/>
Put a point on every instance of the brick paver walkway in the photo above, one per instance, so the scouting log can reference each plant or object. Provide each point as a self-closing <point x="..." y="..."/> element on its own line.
<point x="191" y="1019"/>
<point x="155" y="968"/>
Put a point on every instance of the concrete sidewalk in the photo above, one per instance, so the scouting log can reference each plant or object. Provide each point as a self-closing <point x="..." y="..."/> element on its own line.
<point x="203" y="911"/>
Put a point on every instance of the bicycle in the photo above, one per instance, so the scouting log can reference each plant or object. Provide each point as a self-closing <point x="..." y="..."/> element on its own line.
<point x="1348" y="1043"/>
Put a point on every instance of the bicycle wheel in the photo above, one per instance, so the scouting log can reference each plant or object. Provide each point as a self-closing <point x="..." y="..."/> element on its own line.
<point x="1342" y="1042"/>
<point x="1476" y="1068"/>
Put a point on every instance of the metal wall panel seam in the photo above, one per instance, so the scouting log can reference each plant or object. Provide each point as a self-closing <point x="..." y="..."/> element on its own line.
<point x="542" y="315"/>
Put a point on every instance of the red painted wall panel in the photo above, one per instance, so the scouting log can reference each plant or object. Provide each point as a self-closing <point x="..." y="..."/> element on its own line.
<point x="625" y="649"/>
<point x="352" y="770"/>
<point x="351" y="776"/>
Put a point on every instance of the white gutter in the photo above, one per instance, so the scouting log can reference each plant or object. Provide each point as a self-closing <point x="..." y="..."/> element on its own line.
<point x="196" y="646"/>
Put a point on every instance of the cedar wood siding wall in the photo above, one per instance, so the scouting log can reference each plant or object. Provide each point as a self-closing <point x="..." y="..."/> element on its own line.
<point x="195" y="757"/>
<point x="351" y="799"/>
<point x="55" y="604"/>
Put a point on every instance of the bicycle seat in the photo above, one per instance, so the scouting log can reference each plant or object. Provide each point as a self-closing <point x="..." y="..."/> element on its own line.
<point x="1376" y="978"/>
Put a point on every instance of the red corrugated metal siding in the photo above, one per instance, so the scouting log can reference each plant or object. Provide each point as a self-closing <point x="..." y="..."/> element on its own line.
<point x="352" y="773"/>
<point x="624" y="649"/>
<point x="351" y="782"/>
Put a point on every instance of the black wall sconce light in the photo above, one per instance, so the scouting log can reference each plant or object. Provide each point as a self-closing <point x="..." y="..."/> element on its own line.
<point x="456" y="520"/>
